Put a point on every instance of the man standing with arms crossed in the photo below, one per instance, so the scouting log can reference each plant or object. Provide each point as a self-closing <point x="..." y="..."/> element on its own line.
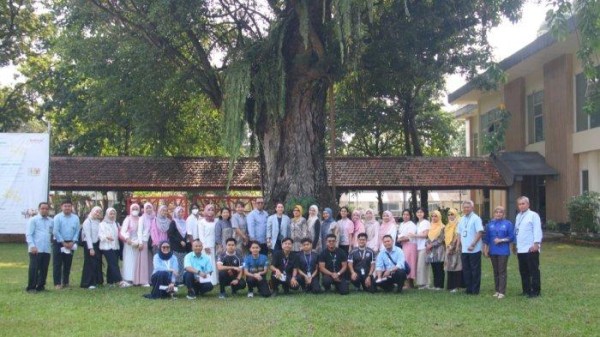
<point x="66" y="233"/>
<point x="528" y="233"/>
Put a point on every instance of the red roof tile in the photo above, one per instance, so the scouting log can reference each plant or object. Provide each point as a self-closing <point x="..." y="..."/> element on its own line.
<point x="352" y="173"/>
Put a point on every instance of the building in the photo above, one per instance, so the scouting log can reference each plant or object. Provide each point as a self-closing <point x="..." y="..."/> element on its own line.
<point x="545" y="94"/>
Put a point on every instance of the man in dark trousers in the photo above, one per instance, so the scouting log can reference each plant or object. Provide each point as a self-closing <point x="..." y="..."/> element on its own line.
<point x="307" y="268"/>
<point x="230" y="266"/>
<point x="333" y="263"/>
<point x="361" y="263"/>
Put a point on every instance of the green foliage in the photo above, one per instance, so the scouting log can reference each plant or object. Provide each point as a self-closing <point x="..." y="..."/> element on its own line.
<point x="494" y="140"/>
<point x="584" y="212"/>
<point x="305" y="202"/>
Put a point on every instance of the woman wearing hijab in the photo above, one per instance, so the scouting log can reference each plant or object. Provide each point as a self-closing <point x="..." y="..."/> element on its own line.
<point x="141" y="274"/>
<point x="160" y="227"/>
<point x="499" y="234"/>
<point x="388" y="227"/>
<point x="409" y="247"/>
<point x="359" y="227"/>
<point x="453" y="264"/>
<point x="91" y="276"/>
<point x="131" y="250"/>
<point x="108" y="233"/>
<point x="166" y="270"/>
<point x="372" y="230"/>
<point x="423" y="226"/>
<point x="223" y="230"/>
<point x="328" y="226"/>
<point x="206" y="234"/>
<point x="177" y="238"/>
<point x="435" y="249"/>
<point x="313" y="225"/>
<point x="298" y="228"/>
<point x="346" y="229"/>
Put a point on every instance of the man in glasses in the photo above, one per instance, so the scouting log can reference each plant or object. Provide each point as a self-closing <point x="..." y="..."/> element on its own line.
<point x="333" y="263"/>
<point x="469" y="231"/>
<point x="257" y="225"/>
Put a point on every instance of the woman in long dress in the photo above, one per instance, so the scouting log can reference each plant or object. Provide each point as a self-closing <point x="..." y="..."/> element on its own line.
<point x="131" y="249"/>
<point x="298" y="228"/>
<point x="453" y="263"/>
<point x="372" y="230"/>
<point x="159" y="229"/>
<point x="388" y="227"/>
<point x="108" y="233"/>
<point x="91" y="276"/>
<point x="177" y="238"/>
<point x="359" y="227"/>
<point x="436" y="251"/>
<point x="313" y="225"/>
<point x="206" y="234"/>
<point x="423" y="226"/>
<point x="409" y="247"/>
<point x="141" y="274"/>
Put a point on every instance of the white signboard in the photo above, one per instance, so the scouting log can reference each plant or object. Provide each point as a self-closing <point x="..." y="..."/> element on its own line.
<point x="24" y="165"/>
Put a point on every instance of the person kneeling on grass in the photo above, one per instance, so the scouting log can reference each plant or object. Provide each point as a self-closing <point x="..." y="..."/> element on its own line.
<point x="255" y="269"/>
<point x="333" y="264"/>
<point x="306" y="272"/>
<point x="390" y="266"/>
<point x="361" y="263"/>
<point x="282" y="268"/>
<point x="230" y="267"/>
<point x="165" y="273"/>
<point x="198" y="269"/>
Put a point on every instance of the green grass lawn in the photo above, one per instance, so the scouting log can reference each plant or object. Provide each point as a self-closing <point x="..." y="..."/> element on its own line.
<point x="569" y="306"/>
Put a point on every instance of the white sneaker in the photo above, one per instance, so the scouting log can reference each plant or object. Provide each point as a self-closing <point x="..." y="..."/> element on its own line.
<point x="454" y="290"/>
<point x="124" y="284"/>
<point x="500" y="296"/>
<point x="250" y="295"/>
<point x="496" y="294"/>
<point x="146" y="285"/>
<point x="91" y="287"/>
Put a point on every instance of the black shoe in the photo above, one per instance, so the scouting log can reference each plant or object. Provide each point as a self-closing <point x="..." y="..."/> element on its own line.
<point x="533" y="295"/>
<point x="31" y="291"/>
<point x="42" y="288"/>
<point x="275" y="293"/>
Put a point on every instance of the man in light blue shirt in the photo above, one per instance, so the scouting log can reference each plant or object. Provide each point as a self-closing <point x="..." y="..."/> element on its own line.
<point x="38" y="235"/>
<point x="198" y="269"/>
<point x="389" y="266"/>
<point x="469" y="231"/>
<point x="528" y="232"/>
<point x="257" y="225"/>
<point x="66" y="234"/>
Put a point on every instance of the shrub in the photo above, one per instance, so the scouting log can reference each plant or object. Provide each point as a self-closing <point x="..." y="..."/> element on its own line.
<point x="584" y="211"/>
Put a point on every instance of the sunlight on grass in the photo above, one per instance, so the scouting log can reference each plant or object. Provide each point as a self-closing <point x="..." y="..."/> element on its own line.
<point x="12" y="265"/>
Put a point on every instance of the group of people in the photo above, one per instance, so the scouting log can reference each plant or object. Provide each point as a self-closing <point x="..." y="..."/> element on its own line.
<point x="313" y="254"/>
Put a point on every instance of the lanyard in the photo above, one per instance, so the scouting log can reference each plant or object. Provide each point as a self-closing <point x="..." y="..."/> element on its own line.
<point x="308" y="262"/>
<point x="333" y="259"/>
<point x="285" y="263"/>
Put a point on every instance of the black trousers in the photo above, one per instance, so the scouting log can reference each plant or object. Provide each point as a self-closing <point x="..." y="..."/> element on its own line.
<point x="194" y="286"/>
<point x="286" y="285"/>
<point x="160" y="278"/>
<point x="398" y="277"/>
<point x="262" y="285"/>
<point x="438" y="274"/>
<point x="61" y="265"/>
<point x="472" y="272"/>
<point x="361" y="282"/>
<point x="92" y="267"/>
<point x="38" y="271"/>
<point x="529" y="268"/>
<point x="454" y="279"/>
<point x="314" y="286"/>
<point x="225" y="280"/>
<point x="113" y="273"/>
<point x="341" y="286"/>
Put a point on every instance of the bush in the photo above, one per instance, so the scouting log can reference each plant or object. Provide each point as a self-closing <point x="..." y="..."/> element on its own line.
<point x="584" y="211"/>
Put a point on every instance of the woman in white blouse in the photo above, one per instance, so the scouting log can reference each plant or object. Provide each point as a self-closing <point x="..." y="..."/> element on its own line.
<point x="206" y="234"/>
<point x="108" y="233"/>
<point x="423" y="226"/>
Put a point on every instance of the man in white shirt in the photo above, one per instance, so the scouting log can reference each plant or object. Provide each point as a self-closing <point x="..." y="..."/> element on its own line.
<point x="528" y="233"/>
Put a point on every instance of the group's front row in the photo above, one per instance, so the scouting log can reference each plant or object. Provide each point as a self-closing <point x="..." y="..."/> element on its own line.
<point x="290" y="270"/>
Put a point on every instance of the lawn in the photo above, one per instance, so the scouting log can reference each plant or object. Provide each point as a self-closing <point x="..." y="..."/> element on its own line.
<point x="569" y="306"/>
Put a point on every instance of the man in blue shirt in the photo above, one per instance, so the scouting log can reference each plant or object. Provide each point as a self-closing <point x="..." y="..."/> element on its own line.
<point x="528" y="232"/>
<point x="38" y="235"/>
<point x="198" y="269"/>
<point x="389" y="267"/>
<point x="469" y="231"/>
<point x="256" y="266"/>
<point x="66" y="233"/>
<point x="257" y="225"/>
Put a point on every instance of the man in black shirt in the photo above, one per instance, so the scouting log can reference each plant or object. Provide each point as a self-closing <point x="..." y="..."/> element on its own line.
<point x="282" y="268"/>
<point x="361" y="263"/>
<point x="307" y="268"/>
<point x="333" y="264"/>
<point x="229" y="265"/>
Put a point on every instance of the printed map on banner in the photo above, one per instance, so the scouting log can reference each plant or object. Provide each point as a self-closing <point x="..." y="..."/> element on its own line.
<point x="24" y="165"/>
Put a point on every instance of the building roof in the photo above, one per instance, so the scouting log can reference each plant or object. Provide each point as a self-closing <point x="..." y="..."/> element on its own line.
<point x="513" y="165"/>
<point x="185" y="174"/>
<point x="542" y="42"/>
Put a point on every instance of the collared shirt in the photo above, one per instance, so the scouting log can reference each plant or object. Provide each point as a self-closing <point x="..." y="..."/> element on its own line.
<point x="66" y="227"/>
<point x="39" y="233"/>
<point x="467" y="228"/>
<point x="362" y="258"/>
<point x="201" y="263"/>
<point x="257" y="225"/>
<point x="308" y="263"/>
<point x="238" y="221"/>
<point x="499" y="229"/>
<point x="385" y="263"/>
<point x="528" y="230"/>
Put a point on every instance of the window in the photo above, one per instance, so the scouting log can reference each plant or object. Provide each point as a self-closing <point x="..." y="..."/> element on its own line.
<point x="535" y="117"/>
<point x="583" y="120"/>
<point x="585" y="181"/>
<point x="489" y="122"/>
<point x="475" y="145"/>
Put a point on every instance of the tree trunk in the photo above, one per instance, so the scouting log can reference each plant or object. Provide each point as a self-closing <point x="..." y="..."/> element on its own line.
<point x="380" y="202"/>
<point x="293" y="146"/>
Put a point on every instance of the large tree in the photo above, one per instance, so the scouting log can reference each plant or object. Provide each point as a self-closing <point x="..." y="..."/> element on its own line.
<point x="269" y="64"/>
